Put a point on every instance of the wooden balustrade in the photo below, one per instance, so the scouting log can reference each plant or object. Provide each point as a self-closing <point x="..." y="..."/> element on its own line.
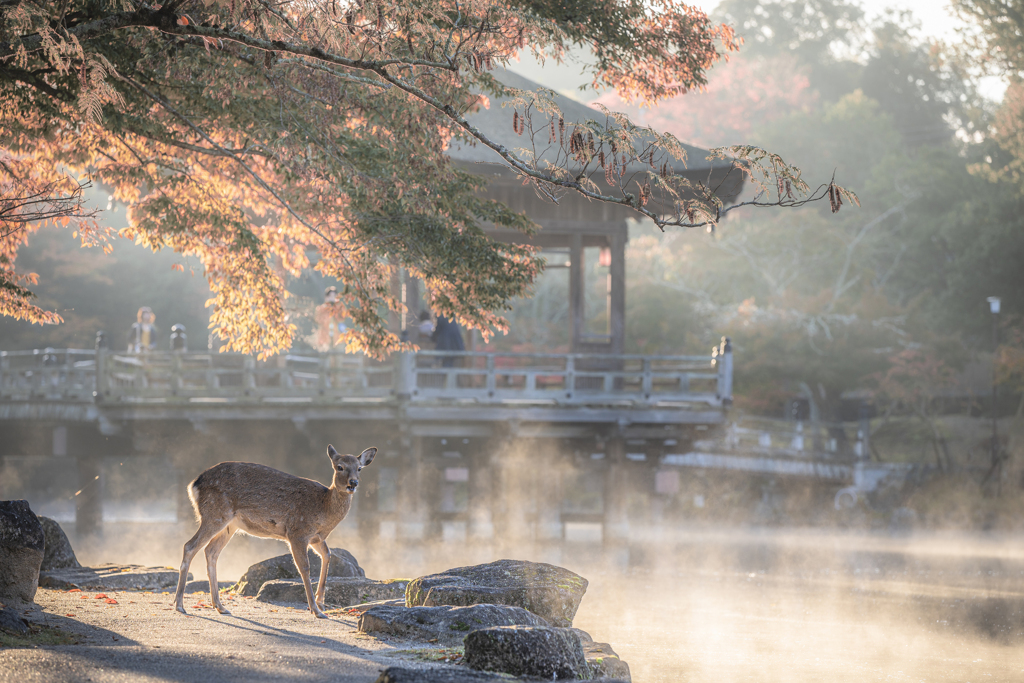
<point x="482" y="378"/>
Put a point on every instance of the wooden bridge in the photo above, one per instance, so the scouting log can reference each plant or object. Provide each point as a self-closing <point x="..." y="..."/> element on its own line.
<point x="462" y="390"/>
<point x="473" y="445"/>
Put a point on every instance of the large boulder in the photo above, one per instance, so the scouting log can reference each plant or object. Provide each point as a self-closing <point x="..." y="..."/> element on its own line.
<point x="58" y="553"/>
<point x="343" y="564"/>
<point x="22" y="546"/>
<point x="444" y="624"/>
<point x="546" y="590"/>
<point x="111" y="577"/>
<point x="550" y="653"/>
<point x="343" y="591"/>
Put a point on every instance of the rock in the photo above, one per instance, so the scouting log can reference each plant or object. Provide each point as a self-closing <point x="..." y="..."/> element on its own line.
<point x="546" y="590"/>
<point x="394" y="674"/>
<point x="58" y="553"/>
<point x="446" y="623"/>
<point x="363" y="606"/>
<point x="527" y="651"/>
<point x="204" y="586"/>
<point x="22" y="547"/>
<point x="342" y="591"/>
<point x="11" y="622"/>
<point x="111" y="577"/>
<point x="604" y="662"/>
<point x="343" y="564"/>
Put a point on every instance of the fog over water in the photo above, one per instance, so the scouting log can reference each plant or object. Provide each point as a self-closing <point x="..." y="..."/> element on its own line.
<point x="718" y="604"/>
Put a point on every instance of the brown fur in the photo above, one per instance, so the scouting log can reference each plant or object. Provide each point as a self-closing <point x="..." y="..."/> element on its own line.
<point x="262" y="501"/>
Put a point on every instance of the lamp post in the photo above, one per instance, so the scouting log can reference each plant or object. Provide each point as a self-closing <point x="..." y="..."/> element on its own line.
<point x="997" y="469"/>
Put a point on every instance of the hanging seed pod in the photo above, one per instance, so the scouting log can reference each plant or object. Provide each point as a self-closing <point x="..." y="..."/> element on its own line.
<point x="690" y="213"/>
<point x="778" y="184"/>
<point x="561" y="130"/>
<point x="515" y="121"/>
<point x="600" y="158"/>
<point x="615" y="149"/>
<point x="623" y="166"/>
<point x="487" y="58"/>
<point x="552" y="136"/>
<point x="590" y="143"/>
<point x="664" y="170"/>
<point x="651" y="159"/>
<point x="832" y="198"/>
<point x="609" y="172"/>
<point x="789" y="189"/>
<point x="520" y="41"/>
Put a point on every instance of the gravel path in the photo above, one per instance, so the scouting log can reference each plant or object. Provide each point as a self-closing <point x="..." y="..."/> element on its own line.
<point x="140" y="638"/>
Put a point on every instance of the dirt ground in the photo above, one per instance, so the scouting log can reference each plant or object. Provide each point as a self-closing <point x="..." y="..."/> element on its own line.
<point x="138" y="637"/>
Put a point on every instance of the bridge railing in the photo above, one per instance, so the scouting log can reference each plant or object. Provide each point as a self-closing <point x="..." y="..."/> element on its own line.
<point x="563" y="378"/>
<point x="71" y="374"/>
<point x="50" y="374"/>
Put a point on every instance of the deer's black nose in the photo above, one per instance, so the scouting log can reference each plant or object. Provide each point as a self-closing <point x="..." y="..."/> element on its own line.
<point x="353" y="482"/>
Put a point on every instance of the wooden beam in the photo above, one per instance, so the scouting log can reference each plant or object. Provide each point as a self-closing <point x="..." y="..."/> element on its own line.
<point x="577" y="310"/>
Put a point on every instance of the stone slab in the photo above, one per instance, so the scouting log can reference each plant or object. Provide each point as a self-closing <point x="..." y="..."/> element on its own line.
<point x="111" y="577"/>
<point x="443" y="623"/>
<point x="341" y="591"/>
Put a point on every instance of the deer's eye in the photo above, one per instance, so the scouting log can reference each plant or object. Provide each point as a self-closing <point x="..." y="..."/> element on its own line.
<point x="360" y="469"/>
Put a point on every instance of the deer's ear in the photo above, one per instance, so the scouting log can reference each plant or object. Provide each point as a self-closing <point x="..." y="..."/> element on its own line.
<point x="331" y="453"/>
<point x="366" y="457"/>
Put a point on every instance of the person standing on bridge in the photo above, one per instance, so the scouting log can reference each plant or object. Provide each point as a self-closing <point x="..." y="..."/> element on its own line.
<point x="448" y="337"/>
<point x="142" y="335"/>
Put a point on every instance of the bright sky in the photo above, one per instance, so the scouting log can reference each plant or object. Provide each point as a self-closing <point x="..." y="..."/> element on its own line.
<point x="935" y="16"/>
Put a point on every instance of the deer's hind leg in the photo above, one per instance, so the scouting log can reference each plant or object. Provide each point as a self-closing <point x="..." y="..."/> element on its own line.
<point x="208" y="529"/>
<point x="212" y="553"/>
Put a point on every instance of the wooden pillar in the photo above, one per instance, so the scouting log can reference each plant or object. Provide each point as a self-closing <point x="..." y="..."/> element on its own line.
<point x="481" y="493"/>
<point x="577" y="308"/>
<point x="411" y="504"/>
<point x="515" y="491"/>
<point x="616" y="524"/>
<point x="617" y="293"/>
<point x="395" y="319"/>
<point x="89" y="501"/>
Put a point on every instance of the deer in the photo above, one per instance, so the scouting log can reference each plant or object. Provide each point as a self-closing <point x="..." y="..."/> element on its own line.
<point x="261" y="501"/>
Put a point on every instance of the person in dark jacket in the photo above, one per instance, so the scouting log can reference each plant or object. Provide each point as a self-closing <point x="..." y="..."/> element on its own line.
<point x="447" y="336"/>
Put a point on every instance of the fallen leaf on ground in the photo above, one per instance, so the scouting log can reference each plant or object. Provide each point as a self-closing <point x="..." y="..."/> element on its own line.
<point x="111" y="601"/>
<point x="101" y="596"/>
<point x="69" y="615"/>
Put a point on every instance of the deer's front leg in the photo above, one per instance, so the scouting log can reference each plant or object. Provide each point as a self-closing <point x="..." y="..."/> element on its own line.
<point x="324" y="552"/>
<point x="299" y="548"/>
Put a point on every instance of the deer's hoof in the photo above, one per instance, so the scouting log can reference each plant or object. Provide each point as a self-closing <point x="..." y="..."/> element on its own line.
<point x="320" y="615"/>
<point x="223" y="611"/>
<point x="180" y="608"/>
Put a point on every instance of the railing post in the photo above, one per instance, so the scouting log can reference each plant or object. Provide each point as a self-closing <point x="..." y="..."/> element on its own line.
<point x="176" y="382"/>
<point x="248" y="374"/>
<point x="570" y="376"/>
<point x="647" y="383"/>
<point x="100" y="369"/>
<point x="491" y="379"/>
<point x="405" y="374"/>
<point x="723" y="359"/>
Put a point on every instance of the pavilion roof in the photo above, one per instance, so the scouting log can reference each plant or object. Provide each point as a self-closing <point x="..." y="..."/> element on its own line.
<point x="496" y="123"/>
